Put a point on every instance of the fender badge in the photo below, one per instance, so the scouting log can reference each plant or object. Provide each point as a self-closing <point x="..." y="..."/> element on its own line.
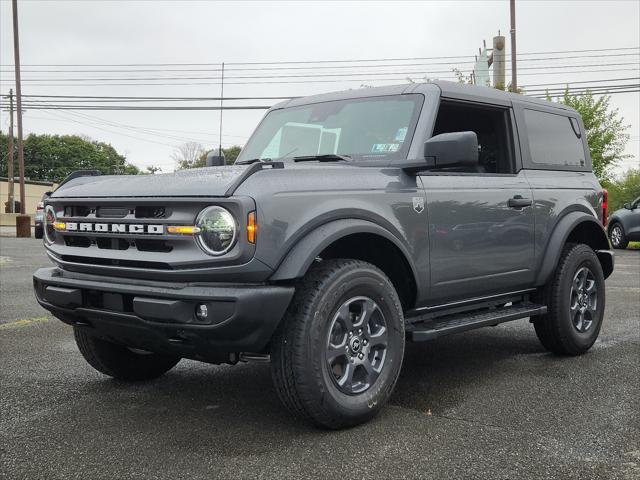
<point x="418" y="204"/>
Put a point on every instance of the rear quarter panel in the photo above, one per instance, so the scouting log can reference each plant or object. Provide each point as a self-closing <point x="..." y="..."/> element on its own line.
<point x="557" y="193"/>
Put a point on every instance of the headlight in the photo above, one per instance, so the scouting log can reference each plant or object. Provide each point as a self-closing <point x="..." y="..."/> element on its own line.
<point x="218" y="230"/>
<point x="49" y="221"/>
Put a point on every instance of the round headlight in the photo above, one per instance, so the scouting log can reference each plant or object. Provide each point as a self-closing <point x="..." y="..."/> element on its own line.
<point x="49" y="220"/>
<point x="218" y="230"/>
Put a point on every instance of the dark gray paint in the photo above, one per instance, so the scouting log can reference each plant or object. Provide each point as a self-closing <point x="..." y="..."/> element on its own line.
<point x="466" y="242"/>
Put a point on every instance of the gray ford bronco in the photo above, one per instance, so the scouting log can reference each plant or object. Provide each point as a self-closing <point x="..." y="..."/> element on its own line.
<point x="351" y="223"/>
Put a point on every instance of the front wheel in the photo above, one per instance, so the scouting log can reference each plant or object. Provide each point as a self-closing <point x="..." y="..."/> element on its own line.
<point x="122" y="362"/>
<point x="336" y="356"/>
<point x="575" y="299"/>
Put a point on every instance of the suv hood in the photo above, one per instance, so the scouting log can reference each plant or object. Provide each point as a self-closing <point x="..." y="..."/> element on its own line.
<point x="197" y="182"/>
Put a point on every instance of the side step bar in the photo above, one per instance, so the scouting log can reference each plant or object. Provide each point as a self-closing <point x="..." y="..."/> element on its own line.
<point x="461" y="322"/>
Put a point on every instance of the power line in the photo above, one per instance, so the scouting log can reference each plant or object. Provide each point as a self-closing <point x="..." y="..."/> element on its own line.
<point x="311" y="75"/>
<point x="99" y="98"/>
<point x="55" y="103"/>
<point x="315" y="67"/>
<point x="359" y="60"/>
<point x="311" y="81"/>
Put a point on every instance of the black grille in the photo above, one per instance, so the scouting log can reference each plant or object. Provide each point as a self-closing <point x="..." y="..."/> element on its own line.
<point x="112" y="212"/>
<point x="145" y="245"/>
<point x="76" y="211"/>
<point x="112" y="243"/>
<point x="151" y="212"/>
<point x="82" y="242"/>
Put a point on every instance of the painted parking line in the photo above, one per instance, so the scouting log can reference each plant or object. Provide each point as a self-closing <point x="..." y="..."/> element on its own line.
<point x="23" y="323"/>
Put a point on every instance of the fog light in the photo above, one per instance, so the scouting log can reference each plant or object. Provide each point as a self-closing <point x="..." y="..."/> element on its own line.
<point x="202" y="312"/>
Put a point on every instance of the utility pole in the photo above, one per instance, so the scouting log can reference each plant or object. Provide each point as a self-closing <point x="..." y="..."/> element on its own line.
<point x="10" y="174"/>
<point x="23" y="222"/>
<point x="514" y="74"/>
<point x="221" y="100"/>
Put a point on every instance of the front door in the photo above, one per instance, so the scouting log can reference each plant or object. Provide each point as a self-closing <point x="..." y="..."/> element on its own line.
<point x="481" y="221"/>
<point x="481" y="234"/>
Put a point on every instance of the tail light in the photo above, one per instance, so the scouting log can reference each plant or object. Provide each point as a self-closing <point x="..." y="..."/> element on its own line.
<point x="605" y="207"/>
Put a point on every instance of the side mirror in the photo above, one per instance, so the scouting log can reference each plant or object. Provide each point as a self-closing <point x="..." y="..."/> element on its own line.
<point x="457" y="149"/>
<point x="214" y="160"/>
<point x="627" y="206"/>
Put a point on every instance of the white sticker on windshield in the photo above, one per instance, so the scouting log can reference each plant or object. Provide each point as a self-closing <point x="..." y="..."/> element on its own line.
<point x="385" y="147"/>
<point x="400" y="134"/>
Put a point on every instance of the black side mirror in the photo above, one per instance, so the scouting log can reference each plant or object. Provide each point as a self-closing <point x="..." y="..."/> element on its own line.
<point x="457" y="149"/>
<point x="627" y="206"/>
<point x="215" y="160"/>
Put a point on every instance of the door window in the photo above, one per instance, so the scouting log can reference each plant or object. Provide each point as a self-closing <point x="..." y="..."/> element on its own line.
<point x="490" y="124"/>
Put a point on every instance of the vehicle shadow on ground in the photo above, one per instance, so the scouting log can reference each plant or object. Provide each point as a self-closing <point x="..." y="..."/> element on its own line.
<point x="198" y="400"/>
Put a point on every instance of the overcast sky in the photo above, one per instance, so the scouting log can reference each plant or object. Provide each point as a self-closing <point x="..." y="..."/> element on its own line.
<point x="117" y="32"/>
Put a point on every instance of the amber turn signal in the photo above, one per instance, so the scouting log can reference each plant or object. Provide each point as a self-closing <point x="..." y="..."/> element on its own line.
<point x="59" y="226"/>
<point x="252" y="227"/>
<point x="183" y="229"/>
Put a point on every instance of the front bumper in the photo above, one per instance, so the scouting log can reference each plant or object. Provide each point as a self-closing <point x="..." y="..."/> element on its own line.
<point x="160" y="316"/>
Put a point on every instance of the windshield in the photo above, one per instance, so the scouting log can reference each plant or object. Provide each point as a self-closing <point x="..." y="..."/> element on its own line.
<point x="362" y="128"/>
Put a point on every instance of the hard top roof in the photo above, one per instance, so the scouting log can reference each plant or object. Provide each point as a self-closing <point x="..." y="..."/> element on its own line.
<point x="447" y="90"/>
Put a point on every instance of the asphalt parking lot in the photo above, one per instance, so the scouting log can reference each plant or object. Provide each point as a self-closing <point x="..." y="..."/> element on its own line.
<point x="486" y="404"/>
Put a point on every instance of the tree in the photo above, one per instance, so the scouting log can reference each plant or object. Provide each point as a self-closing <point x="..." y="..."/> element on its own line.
<point x="152" y="169"/>
<point x="53" y="157"/>
<point x="606" y="131"/>
<point x="230" y="155"/>
<point x="624" y="189"/>
<point x="188" y="155"/>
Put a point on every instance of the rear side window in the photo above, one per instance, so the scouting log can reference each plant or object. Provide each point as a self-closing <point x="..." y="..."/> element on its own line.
<point x="554" y="139"/>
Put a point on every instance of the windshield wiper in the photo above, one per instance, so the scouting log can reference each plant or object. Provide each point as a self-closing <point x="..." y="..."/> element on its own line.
<point x="328" y="157"/>
<point x="253" y="160"/>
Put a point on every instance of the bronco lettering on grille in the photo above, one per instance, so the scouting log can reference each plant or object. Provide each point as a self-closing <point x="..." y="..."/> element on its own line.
<point x="115" y="228"/>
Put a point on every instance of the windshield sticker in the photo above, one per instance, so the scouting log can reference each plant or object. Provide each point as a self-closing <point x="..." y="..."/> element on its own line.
<point x="385" y="147"/>
<point x="400" y="134"/>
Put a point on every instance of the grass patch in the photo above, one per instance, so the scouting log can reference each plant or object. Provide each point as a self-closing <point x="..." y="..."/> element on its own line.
<point x="634" y="245"/>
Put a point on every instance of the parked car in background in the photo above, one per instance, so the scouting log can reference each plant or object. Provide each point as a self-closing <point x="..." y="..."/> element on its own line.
<point x="39" y="221"/>
<point x="624" y="225"/>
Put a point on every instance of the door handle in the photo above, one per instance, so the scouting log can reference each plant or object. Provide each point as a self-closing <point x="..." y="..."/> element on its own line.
<point x="518" y="201"/>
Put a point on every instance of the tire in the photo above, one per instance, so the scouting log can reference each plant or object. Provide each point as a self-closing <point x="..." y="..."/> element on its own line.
<point x="617" y="236"/>
<point x="38" y="232"/>
<point x="572" y="322"/>
<point x="121" y="362"/>
<point x="339" y="388"/>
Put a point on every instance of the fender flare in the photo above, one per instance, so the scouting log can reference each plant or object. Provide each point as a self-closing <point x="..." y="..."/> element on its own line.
<point x="298" y="260"/>
<point x="561" y="232"/>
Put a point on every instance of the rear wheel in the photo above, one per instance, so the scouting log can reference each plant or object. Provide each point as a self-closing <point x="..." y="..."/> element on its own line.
<point x="575" y="298"/>
<point x="38" y="231"/>
<point x="122" y="362"/>
<point x="617" y="236"/>
<point x="337" y="354"/>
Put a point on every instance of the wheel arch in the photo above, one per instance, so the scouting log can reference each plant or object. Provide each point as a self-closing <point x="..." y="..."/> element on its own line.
<point x="576" y="227"/>
<point x="358" y="239"/>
